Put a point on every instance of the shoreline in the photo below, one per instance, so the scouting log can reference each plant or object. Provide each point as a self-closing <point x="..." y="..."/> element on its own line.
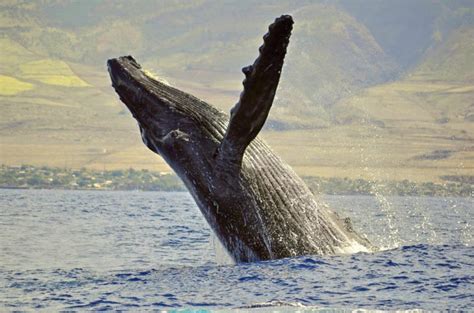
<point x="51" y="178"/>
<point x="185" y="191"/>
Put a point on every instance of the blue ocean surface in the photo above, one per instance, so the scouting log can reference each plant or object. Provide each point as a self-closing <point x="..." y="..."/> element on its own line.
<point x="97" y="250"/>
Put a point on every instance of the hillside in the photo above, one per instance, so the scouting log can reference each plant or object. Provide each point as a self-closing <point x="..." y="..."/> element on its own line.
<point x="450" y="59"/>
<point x="367" y="90"/>
<point x="205" y="43"/>
<point x="425" y="120"/>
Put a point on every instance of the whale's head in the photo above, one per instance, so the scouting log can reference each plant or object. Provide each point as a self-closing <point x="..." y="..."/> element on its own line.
<point x="157" y="107"/>
<point x="177" y="126"/>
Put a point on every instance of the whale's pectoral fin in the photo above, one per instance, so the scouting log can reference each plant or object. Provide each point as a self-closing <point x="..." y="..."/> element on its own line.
<point x="260" y="84"/>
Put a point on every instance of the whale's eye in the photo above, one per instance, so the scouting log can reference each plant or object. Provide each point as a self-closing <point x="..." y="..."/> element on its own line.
<point x="216" y="152"/>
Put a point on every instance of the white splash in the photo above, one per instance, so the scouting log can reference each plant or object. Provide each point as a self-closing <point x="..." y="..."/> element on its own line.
<point x="353" y="247"/>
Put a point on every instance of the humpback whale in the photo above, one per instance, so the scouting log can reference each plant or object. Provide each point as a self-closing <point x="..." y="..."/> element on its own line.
<point x="255" y="203"/>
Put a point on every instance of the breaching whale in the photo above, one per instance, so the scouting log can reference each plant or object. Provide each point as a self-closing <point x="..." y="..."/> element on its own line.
<point x="255" y="203"/>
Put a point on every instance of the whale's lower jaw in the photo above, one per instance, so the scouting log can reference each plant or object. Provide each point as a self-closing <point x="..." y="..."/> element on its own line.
<point x="255" y="203"/>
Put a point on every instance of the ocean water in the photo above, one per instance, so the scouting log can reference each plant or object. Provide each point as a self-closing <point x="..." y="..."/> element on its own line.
<point x="91" y="250"/>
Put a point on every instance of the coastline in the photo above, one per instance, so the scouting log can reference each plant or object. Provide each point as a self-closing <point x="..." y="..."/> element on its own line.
<point x="32" y="177"/>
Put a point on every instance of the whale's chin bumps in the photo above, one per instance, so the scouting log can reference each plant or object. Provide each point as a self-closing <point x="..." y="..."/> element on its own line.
<point x="255" y="203"/>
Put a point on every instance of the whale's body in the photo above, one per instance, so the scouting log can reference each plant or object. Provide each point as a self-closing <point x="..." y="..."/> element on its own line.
<point x="255" y="203"/>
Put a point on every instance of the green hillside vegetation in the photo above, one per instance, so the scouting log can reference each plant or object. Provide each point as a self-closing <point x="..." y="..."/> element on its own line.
<point x="373" y="90"/>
